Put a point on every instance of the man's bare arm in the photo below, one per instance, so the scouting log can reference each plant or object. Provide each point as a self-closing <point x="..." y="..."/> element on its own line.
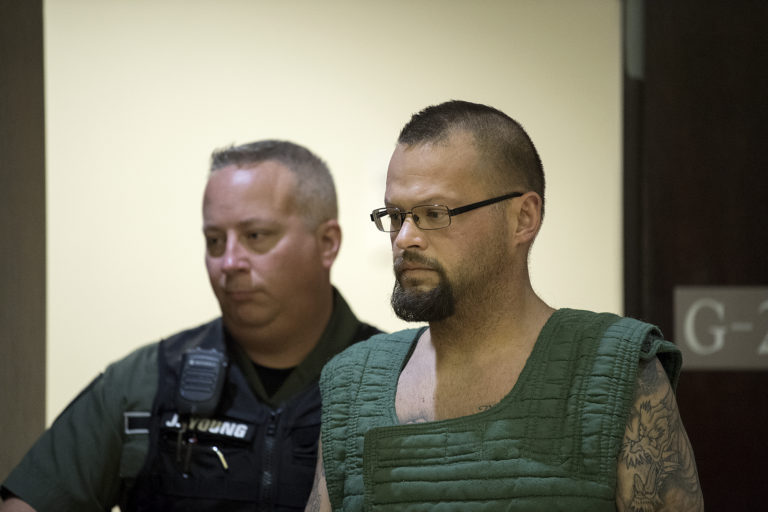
<point x="656" y="469"/>
<point x="15" y="505"/>
<point x="318" y="498"/>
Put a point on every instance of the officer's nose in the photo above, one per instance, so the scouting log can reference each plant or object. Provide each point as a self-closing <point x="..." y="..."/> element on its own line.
<point x="235" y="256"/>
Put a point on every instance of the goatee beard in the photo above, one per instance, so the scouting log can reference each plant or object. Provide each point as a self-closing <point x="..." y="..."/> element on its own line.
<point x="413" y="305"/>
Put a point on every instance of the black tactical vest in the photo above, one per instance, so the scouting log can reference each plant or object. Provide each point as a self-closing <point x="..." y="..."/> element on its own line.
<point x="229" y="461"/>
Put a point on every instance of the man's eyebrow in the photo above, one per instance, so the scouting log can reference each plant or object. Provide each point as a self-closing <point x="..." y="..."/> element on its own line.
<point x="251" y="222"/>
<point x="270" y="223"/>
<point x="245" y="223"/>
<point x="421" y="202"/>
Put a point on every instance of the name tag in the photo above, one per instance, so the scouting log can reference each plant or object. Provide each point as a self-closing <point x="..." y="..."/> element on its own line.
<point x="226" y="428"/>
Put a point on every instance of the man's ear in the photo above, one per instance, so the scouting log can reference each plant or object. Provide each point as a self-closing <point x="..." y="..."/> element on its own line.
<point x="528" y="218"/>
<point x="329" y="241"/>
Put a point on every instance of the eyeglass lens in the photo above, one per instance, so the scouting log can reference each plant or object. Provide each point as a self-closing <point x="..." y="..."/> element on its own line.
<point x="425" y="217"/>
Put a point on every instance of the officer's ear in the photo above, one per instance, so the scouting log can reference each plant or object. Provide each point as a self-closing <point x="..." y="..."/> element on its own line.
<point x="328" y="236"/>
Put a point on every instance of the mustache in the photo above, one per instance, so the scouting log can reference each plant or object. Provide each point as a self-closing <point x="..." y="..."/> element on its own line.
<point x="414" y="257"/>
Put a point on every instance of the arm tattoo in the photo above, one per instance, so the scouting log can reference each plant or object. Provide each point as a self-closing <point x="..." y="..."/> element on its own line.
<point x="656" y="460"/>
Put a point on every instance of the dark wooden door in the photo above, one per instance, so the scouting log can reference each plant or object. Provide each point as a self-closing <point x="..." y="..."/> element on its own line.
<point x="696" y="207"/>
<point x="22" y="230"/>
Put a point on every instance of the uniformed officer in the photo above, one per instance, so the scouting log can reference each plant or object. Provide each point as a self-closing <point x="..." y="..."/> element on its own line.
<point x="224" y="416"/>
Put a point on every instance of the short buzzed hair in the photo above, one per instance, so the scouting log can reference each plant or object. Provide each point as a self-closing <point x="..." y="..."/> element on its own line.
<point x="501" y="141"/>
<point x="315" y="191"/>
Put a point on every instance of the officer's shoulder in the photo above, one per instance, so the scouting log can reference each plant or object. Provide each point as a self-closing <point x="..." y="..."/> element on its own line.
<point x="137" y="369"/>
<point x="195" y="334"/>
<point x="144" y="358"/>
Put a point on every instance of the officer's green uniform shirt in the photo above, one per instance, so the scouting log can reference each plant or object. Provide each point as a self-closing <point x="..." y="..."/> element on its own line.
<point x="90" y="455"/>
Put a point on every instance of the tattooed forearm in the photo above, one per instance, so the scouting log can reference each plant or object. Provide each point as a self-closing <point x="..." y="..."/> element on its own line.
<point x="656" y="469"/>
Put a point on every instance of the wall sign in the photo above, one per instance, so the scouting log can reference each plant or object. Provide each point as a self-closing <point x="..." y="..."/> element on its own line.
<point x="722" y="328"/>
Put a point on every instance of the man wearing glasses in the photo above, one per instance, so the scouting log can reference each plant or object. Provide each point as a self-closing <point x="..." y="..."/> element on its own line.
<point x="502" y="402"/>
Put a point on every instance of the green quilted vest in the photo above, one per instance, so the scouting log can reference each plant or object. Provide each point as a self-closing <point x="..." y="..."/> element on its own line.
<point x="550" y="444"/>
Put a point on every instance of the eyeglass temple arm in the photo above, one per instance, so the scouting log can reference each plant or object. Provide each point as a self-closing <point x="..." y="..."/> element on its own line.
<point x="462" y="209"/>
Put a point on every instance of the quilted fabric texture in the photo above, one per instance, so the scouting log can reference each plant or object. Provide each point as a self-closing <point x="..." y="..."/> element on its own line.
<point x="550" y="444"/>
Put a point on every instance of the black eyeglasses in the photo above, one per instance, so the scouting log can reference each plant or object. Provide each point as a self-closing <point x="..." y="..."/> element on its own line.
<point x="427" y="216"/>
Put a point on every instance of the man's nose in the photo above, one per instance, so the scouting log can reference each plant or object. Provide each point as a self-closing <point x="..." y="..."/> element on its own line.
<point x="234" y="255"/>
<point x="409" y="235"/>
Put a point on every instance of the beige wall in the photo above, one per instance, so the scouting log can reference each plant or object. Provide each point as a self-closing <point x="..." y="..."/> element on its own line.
<point x="139" y="92"/>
